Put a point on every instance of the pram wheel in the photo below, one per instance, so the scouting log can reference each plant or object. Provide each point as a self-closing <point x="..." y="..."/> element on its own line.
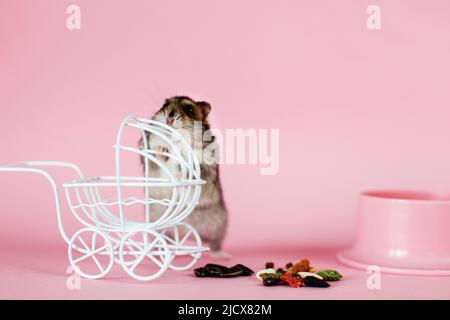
<point x="144" y="254"/>
<point x="186" y="243"/>
<point x="87" y="244"/>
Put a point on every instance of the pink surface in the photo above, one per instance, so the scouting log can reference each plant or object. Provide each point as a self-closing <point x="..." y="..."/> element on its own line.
<point x="357" y="110"/>
<point x="40" y="274"/>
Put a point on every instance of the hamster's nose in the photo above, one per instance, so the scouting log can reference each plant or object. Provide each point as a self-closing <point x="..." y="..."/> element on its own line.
<point x="169" y="121"/>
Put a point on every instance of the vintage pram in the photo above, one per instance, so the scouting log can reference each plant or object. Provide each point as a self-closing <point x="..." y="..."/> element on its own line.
<point x="110" y="234"/>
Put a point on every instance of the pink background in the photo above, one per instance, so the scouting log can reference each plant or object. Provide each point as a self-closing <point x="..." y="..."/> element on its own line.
<point x="357" y="109"/>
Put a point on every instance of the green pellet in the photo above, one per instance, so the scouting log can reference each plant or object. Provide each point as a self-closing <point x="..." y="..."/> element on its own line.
<point x="330" y="275"/>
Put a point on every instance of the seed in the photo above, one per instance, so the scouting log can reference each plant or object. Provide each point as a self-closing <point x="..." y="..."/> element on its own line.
<point x="246" y="271"/>
<point x="330" y="275"/>
<point x="200" y="272"/>
<point x="310" y="274"/>
<point x="269" y="282"/>
<point x="281" y="270"/>
<point x="264" y="271"/>
<point x="314" y="282"/>
<point x="218" y="271"/>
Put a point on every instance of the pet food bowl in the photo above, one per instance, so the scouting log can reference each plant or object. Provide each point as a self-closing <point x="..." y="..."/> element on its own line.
<point x="402" y="233"/>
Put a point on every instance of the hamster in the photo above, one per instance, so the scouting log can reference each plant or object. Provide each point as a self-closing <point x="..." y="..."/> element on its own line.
<point x="210" y="216"/>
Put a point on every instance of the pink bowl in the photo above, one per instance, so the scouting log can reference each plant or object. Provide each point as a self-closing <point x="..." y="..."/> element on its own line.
<point x="402" y="232"/>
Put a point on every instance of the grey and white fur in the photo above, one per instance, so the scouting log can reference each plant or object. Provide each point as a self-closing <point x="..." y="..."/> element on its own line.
<point x="210" y="216"/>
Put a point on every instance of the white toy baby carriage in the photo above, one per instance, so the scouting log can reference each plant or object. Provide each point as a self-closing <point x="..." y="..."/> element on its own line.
<point x="118" y="230"/>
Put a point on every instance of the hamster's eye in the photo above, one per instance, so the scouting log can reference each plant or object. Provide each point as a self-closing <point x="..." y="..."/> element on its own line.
<point x="171" y="114"/>
<point x="189" y="110"/>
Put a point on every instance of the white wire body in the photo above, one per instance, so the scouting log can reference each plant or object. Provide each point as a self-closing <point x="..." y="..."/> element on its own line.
<point x="125" y="239"/>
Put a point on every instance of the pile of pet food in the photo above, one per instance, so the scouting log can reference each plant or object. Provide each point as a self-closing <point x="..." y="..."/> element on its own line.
<point x="297" y="275"/>
<point x="294" y="275"/>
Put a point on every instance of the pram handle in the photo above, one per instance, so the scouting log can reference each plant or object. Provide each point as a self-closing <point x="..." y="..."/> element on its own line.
<point x="33" y="167"/>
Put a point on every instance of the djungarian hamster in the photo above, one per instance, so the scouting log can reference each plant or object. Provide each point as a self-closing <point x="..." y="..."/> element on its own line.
<point x="210" y="216"/>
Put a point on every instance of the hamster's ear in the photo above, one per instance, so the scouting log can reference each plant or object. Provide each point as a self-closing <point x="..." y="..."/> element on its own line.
<point x="205" y="106"/>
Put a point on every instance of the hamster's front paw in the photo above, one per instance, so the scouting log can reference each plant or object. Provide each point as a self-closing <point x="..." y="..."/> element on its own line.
<point x="220" y="255"/>
<point x="160" y="153"/>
